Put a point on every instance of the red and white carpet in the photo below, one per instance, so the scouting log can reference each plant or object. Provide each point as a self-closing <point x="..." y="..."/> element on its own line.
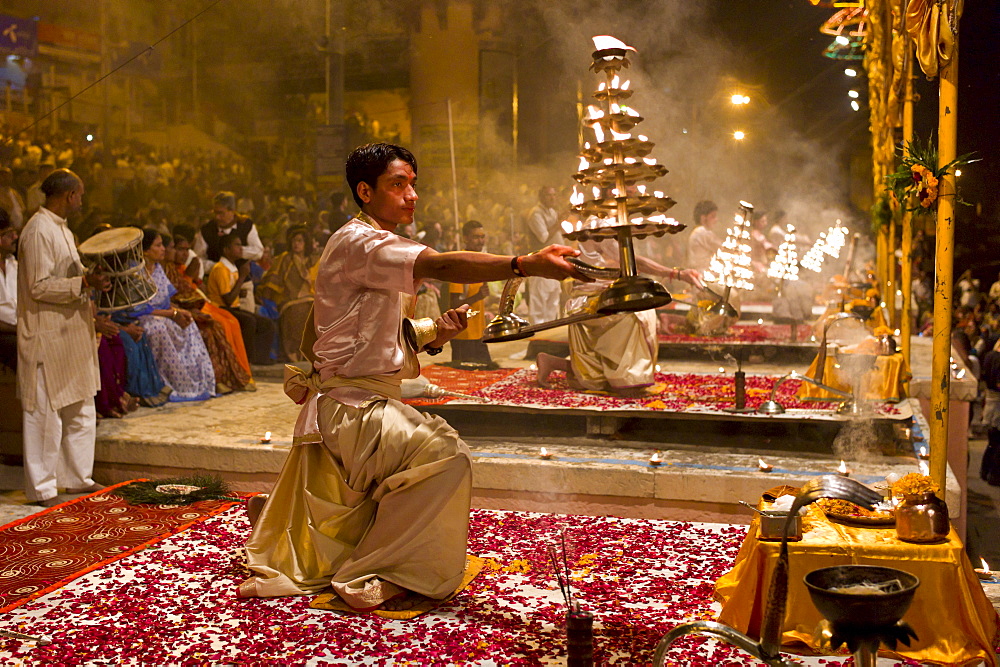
<point x="174" y="602"/>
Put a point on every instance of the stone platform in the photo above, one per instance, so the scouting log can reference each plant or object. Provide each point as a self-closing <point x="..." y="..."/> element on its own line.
<point x="585" y="475"/>
<point x="706" y="468"/>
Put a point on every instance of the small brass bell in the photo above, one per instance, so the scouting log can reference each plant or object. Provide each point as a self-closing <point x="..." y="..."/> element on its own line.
<point x="419" y="332"/>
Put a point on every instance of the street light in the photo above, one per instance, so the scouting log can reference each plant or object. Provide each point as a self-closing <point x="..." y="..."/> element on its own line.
<point x="851" y="71"/>
<point x="843" y="41"/>
<point x="853" y="94"/>
<point x="739" y="135"/>
<point x="855" y="105"/>
<point x="738" y="99"/>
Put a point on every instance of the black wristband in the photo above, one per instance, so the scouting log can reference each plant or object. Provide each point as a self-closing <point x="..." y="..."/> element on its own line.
<point x="433" y="350"/>
<point x="515" y="268"/>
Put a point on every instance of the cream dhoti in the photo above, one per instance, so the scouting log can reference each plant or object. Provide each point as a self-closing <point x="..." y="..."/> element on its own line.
<point x="614" y="352"/>
<point x="377" y="501"/>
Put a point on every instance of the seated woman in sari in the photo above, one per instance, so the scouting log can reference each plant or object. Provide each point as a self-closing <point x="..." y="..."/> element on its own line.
<point x="142" y="377"/>
<point x="188" y="286"/>
<point x="112" y="399"/>
<point x="178" y="348"/>
<point x="230" y="374"/>
<point x="289" y="283"/>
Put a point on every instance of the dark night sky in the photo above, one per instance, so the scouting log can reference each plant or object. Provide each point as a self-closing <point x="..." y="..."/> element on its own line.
<point x="783" y="47"/>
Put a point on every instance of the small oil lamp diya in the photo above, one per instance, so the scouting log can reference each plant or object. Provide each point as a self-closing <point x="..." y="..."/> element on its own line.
<point x="544" y="454"/>
<point x="984" y="572"/>
<point x="764" y="466"/>
<point x="266" y="440"/>
<point x="655" y="459"/>
<point x="843" y="470"/>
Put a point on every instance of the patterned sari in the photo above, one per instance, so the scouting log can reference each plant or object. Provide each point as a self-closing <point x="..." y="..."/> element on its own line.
<point x="220" y="331"/>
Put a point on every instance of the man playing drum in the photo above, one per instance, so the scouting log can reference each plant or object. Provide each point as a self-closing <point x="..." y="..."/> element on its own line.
<point x="57" y="371"/>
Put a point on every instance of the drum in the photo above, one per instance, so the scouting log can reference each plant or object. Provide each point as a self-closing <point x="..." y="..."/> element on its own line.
<point x="118" y="254"/>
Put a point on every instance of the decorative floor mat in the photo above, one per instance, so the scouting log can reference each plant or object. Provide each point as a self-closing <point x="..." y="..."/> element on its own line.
<point x="45" y="550"/>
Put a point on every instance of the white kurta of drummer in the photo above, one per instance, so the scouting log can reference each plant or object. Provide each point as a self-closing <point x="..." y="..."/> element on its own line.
<point x="55" y="327"/>
<point x="362" y="274"/>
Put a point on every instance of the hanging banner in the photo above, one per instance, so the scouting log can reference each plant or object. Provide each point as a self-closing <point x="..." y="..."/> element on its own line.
<point x="18" y="36"/>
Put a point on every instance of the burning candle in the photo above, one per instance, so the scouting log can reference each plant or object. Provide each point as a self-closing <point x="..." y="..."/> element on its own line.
<point x="764" y="466"/>
<point x="984" y="572"/>
<point x="544" y="454"/>
<point x="843" y="470"/>
<point x="922" y="454"/>
<point x="655" y="459"/>
<point x="267" y="438"/>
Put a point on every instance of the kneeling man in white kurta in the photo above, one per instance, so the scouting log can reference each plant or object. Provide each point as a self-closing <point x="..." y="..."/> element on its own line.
<point x="374" y="497"/>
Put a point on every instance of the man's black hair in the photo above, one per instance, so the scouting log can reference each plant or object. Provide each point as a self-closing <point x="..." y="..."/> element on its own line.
<point x="5" y="221"/>
<point x="229" y="239"/>
<point x="366" y="163"/>
<point x="59" y="182"/>
<point x="470" y="226"/>
<point x="703" y="208"/>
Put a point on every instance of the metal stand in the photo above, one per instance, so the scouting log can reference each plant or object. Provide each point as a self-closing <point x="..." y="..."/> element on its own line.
<point x="767" y="650"/>
<point x="740" y="406"/>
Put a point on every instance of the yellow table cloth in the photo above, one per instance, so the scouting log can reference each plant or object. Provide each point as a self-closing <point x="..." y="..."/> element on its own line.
<point x="885" y="382"/>
<point x="954" y="620"/>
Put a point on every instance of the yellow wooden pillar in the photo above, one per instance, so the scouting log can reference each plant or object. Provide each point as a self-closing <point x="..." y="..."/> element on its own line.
<point x="906" y="240"/>
<point x="944" y="257"/>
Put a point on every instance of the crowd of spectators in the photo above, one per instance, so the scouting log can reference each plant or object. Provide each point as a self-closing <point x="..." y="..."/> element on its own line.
<point x="241" y="238"/>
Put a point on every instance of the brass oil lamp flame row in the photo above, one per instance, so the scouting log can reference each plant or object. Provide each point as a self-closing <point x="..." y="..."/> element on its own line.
<point x="607" y="171"/>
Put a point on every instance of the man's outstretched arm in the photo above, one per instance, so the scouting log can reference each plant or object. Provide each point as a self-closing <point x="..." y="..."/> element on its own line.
<point x="474" y="267"/>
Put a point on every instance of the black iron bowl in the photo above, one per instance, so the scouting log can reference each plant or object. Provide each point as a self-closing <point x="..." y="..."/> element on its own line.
<point x="860" y="610"/>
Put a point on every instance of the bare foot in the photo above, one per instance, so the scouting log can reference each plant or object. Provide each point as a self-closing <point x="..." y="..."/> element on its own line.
<point x="129" y="403"/>
<point x="403" y="602"/>
<point x="255" y="505"/>
<point x="548" y="363"/>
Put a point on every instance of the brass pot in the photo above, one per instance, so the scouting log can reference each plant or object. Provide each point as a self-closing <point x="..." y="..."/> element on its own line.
<point x="922" y="517"/>
<point x="418" y="333"/>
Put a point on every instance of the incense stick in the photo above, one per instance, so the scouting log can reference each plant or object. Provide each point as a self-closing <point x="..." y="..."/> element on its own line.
<point x="569" y="588"/>
<point x="559" y="577"/>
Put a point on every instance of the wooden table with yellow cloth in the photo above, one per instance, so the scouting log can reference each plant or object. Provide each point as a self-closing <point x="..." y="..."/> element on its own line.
<point x="885" y="382"/>
<point x="954" y="620"/>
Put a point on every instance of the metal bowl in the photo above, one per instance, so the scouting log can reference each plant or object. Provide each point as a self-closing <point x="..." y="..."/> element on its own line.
<point x="860" y="610"/>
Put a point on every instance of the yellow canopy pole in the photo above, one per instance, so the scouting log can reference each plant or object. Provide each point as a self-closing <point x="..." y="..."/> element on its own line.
<point x="944" y="259"/>
<point x="906" y="242"/>
<point x="889" y="295"/>
<point x="881" y="248"/>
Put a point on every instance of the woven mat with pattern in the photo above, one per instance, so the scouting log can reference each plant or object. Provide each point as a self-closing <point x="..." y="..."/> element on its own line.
<point x="44" y="551"/>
